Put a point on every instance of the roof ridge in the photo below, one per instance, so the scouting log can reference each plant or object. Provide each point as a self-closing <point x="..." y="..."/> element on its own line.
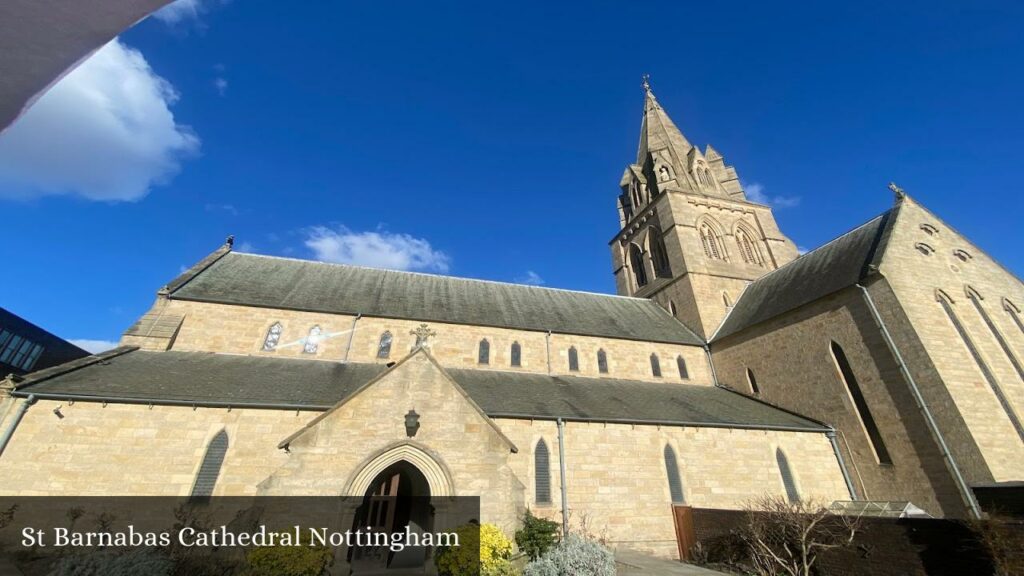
<point x="462" y="278"/>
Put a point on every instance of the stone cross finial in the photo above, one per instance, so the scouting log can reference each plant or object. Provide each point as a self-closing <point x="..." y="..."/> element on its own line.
<point x="897" y="190"/>
<point x="422" y="332"/>
<point x="647" y="82"/>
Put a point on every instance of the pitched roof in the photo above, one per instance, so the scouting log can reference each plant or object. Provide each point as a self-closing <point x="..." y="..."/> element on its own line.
<point x="207" y="379"/>
<point x="829" y="268"/>
<point x="271" y="282"/>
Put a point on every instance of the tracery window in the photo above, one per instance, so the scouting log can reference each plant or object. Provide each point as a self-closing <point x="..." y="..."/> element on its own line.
<point x="384" y="346"/>
<point x="748" y="248"/>
<point x="272" y="338"/>
<point x="312" y="340"/>
<point x="636" y="262"/>
<point x="712" y="243"/>
<point x="659" y="256"/>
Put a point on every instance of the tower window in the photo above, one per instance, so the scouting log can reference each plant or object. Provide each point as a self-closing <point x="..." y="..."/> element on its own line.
<point x="711" y="242"/>
<point x="681" y="364"/>
<point x="384" y="346"/>
<point x="542" y="473"/>
<point x="636" y="262"/>
<point x="312" y="340"/>
<point x="655" y="366"/>
<point x="659" y="256"/>
<point x="675" y="484"/>
<point x="272" y="338"/>
<point x="484" y="352"/>
<point x="574" y="359"/>
<point x="602" y="362"/>
<point x="516" y="354"/>
<point x="752" y="381"/>
<point x="748" y="249"/>
<point x="788" y="481"/>
<point x="209" y="469"/>
<point x="859" y="404"/>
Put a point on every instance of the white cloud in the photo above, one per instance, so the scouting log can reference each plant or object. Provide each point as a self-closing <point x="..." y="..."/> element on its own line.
<point x="755" y="193"/>
<point x="531" y="278"/>
<point x="221" y="85"/>
<point x="94" y="346"/>
<point x="246" y="247"/>
<point x="180" y="11"/>
<point x="379" y="249"/>
<point x="801" y="250"/>
<point x="105" y="132"/>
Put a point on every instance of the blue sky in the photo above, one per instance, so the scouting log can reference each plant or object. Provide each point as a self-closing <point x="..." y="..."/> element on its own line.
<point x="487" y="140"/>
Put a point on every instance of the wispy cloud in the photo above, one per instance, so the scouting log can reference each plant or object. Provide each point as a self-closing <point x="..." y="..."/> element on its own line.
<point x="378" y="249"/>
<point x="801" y="250"/>
<point x="755" y="193"/>
<point x="180" y="11"/>
<point x="94" y="346"/>
<point x="221" y="85"/>
<point x="104" y="132"/>
<point x="531" y="278"/>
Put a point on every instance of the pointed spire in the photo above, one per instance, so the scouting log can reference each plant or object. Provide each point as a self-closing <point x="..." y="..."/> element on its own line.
<point x="658" y="132"/>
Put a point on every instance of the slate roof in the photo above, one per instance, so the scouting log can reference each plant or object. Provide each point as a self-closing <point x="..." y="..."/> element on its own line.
<point x="829" y="268"/>
<point x="207" y="379"/>
<point x="253" y="280"/>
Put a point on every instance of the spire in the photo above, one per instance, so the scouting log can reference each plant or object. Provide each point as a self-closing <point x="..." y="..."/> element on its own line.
<point x="658" y="132"/>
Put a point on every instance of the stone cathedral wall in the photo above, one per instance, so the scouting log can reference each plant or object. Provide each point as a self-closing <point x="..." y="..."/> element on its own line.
<point x="231" y="329"/>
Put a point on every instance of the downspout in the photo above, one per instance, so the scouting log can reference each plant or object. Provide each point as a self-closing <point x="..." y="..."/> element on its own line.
<point x="711" y="363"/>
<point x="561" y="466"/>
<point x="15" y="421"/>
<point x="965" y="490"/>
<point x="351" y="336"/>
<point x="547" y="345"/>
<point x="831" y="434"/>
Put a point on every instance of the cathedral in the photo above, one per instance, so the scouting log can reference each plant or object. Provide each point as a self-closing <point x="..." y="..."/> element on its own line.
<point x="883" y="366"/>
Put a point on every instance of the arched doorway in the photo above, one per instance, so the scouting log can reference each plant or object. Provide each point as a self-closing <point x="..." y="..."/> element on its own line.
<point x="397" y="501"/>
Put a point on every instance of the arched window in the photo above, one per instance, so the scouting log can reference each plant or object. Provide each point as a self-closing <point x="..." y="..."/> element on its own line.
<point x="602" y="362"/>
<point x="659" y="256"/>
<point x="752" y="381"/>
<point x="711" y="241"/>
<point x="859" y="404"/>
<point x="748" y="248"/>
<point x="516" y="355"/>
<point x="542" y="473"/>
<point x="312" y="340"/>
<point x="384" y="346"/>
<point x="675" y="484"/>
<point x="636" y="262"/>
<point x="574" y="359"/>
<point x="655" y="366"/>
<point x="484" y="354"/>
<point x="273" y="337"/>
<point x="788" y="481"/>
<point x="672" y="309"/>
<point x="209" y="469"/>
<point x="681" y="364"/>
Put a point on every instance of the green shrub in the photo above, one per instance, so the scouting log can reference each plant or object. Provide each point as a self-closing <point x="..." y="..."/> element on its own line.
<point x="288" y="560"/>
<point x="483" y="550"/>
<point x="536" y="536"/>
<point x="135" y="562"/>
<point x="574" y="556"/>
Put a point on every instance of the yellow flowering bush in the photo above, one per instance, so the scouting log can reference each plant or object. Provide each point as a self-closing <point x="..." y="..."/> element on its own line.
<point x="495" y="549"/>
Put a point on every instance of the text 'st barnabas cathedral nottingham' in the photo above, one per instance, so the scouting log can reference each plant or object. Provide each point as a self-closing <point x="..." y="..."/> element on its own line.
<point x="885" y="365"/>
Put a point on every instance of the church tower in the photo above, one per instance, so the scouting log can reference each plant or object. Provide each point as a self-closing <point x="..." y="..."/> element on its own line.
<point x="689" y="237"/>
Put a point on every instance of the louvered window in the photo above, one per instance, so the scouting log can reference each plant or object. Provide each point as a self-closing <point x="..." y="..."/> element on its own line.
<point x="636" y="262"/>
<point x="602" y="362"/>
<point x="675" y="484"/>
<point x="209" y="470"/>
<point x="681" y="364"/>
<point x="787" y="476"/>
<point x="484" y="353"/>
<point x="574" y="359"/>
<point x="542" y="473"/>
<point x="273" y="337"/>
<point x="517" y="353"/>
<point x="655" y="366"/>
<point x="384" y="346"/>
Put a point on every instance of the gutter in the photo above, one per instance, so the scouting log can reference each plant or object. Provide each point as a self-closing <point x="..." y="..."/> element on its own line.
<point x="561" y="464"/>
<point x="9" y="433"/>
<point x="817" y="430"/>
<point x="933" y="427"/>
<point x="711" y="363"/>
<point x="166" y="402"/>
